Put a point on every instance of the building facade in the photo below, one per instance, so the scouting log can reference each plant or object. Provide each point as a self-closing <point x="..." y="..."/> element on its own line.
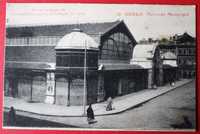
<point x="170" y="66"/>
<point x="184" y="50"/>
<point x="186" y="47"/>
<point x="46" y="63"/>
<point x="82" y="64"/>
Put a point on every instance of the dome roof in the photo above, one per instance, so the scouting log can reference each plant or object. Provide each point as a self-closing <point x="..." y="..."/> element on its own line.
<point x="77" y="40"/>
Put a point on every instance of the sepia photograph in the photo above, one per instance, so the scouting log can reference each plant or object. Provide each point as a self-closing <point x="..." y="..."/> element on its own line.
<point x="100" y="67"/>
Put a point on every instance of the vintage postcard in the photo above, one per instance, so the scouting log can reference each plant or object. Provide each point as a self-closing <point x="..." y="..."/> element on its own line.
<point x="100" y="66"/>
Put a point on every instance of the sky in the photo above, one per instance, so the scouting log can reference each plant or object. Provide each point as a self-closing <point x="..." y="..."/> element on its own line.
<point x="144" y="21"/>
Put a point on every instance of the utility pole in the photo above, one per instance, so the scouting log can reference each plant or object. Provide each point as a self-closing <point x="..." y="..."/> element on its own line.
<point x="69" y="83"/>
<point x="31" y="97"/>
<point x="85" y="82"/>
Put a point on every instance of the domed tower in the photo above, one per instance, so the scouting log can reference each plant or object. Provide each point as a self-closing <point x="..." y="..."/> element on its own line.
<point x="77" y="63"/>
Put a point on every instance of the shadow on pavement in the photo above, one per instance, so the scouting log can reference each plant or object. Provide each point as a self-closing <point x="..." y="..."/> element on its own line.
<point x="22" y="121"/>
<point x="185" y="124"/>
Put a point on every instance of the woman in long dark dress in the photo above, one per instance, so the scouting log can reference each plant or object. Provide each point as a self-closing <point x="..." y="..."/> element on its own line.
<point x="90" y="115"/>
<point x="12" y="117"/>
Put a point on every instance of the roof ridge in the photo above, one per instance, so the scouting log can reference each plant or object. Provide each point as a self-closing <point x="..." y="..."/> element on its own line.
<point x="63" y="24"/>
<point x="114" y="25"/>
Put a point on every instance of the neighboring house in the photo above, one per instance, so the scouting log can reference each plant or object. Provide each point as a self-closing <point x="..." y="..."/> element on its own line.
<point x="169" y="58"/>
<point x="184" y="50"/>
<point x="186" y="55"/>
<point x="148" y="56"/>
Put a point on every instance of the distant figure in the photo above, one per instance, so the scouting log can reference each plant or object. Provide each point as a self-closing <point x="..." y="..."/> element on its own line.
<point x="154" y="86"/>
<point x="186" y="124"/>
<point x="90" y="115"/>
<point x="172" y="84"/>
<point x="172" y="81"/>
<point x="109" y="104"/>
<point x="12" y="117"/>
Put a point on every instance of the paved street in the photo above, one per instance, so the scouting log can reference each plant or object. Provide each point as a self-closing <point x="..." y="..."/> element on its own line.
<point x="163" y="112"/>
<point x="160" y="113"/>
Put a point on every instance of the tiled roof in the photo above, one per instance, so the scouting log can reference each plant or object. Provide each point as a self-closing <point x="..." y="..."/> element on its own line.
<point x="184" y="38"/>
<point x="60" y="30"/>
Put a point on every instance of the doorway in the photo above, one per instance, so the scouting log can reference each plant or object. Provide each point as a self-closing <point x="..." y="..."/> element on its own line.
<point x="111" y="85"/>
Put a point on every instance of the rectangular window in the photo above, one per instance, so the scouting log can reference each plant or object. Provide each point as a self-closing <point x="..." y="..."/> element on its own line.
<point x="74" y="61"/>
<point x="184" y="51"/>
<point x="67" y="60"/>
<point x="58" y="60"/>
<point x="179" y="51"/>
<point x="92" y="60"/>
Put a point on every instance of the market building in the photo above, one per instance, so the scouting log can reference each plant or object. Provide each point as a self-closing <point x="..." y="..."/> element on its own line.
<point x="46" y="63"/>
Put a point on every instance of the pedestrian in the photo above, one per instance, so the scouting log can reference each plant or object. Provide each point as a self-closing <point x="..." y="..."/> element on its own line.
<point x="109" y="104"/>
<point x="90" y="115"/>
<point x="172" y="81"/>
<point x="187" y="123"/>
<point x="12" y="117"/>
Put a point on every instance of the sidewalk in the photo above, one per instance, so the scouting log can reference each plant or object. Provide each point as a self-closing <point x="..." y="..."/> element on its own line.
<point x="120" y="104"/>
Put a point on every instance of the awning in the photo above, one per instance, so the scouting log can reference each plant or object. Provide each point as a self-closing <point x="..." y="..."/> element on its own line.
<point x="120" y="67"/>
<point x="170" y="63"/>
<point x="168" y="56"/>
<point x="146" y="64"/>
<point x="30" y="65"/>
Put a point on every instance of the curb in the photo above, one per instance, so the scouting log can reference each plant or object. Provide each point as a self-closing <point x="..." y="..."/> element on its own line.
<point x="137" y="105"/>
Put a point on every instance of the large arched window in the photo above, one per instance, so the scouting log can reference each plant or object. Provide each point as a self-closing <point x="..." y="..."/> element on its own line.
<point x="109" y="49"/>
<point x="116" y="47"/>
